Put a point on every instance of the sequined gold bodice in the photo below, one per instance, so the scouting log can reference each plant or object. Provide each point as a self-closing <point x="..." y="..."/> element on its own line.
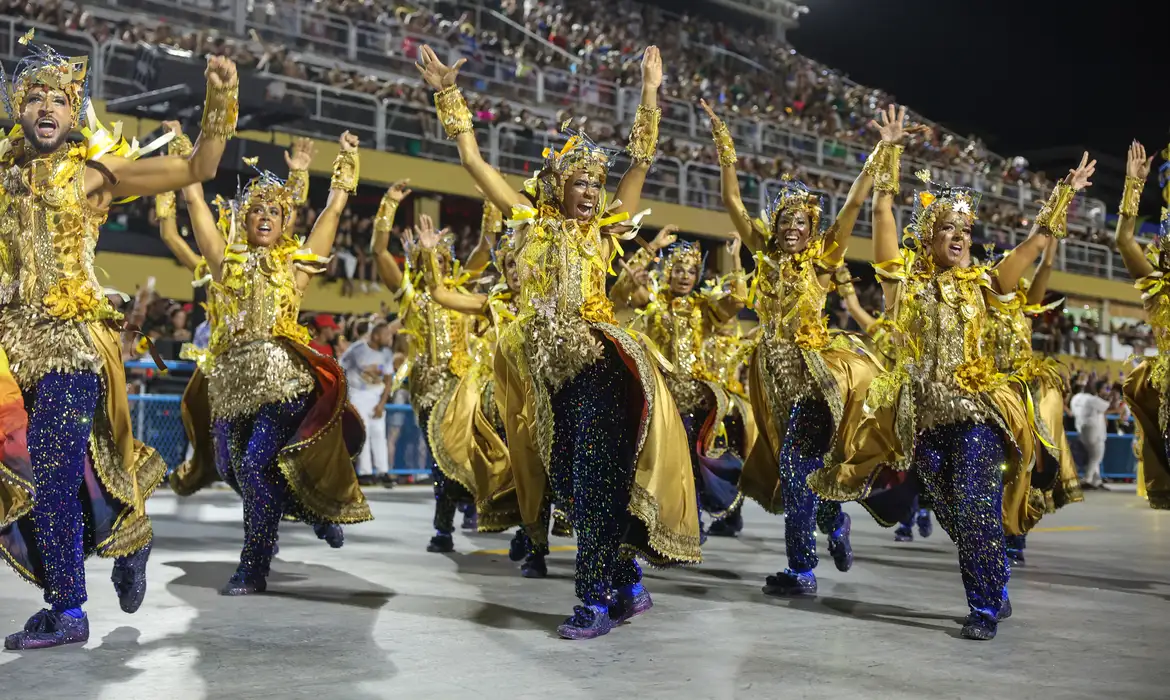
<point x="678" y="326"/>
<point x="791" y="300"/>
<point x="50" y="232"/>
<point x="1009" y="331"/>
<point x="1157" y="304"/>
<point x="439" y="346"/>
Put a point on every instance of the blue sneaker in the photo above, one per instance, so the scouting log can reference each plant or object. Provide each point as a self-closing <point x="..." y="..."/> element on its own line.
<point x="587" y="622"/>
<point x="49" y="628"/>
<point x="904" y="533"/>
<point x="789" y="584"/>
<point x="839" y="547"/>
<point x="630" y="602"/>
<point x="129" y="578"/>
<point x="331" y="533"/>
<point x="925" y="525"/>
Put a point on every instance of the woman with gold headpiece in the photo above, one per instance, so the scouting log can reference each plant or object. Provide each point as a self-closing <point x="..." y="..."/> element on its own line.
<point x="61" y="336"/>
<point x="276" y="408"/>
<point x="1042" y="385"/>
<point x="677" y="319"/>
<point x="807" y="385"/>
<point x="438" y="357"/>
<point x="1147" y="386"/>
<point x="942" y="408"/>
<point x="586" y="413"/>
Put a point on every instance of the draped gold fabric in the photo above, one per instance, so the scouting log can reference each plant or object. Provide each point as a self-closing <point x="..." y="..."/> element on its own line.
<point x="1066" y="486"/>
<point x="1147" y="402"/>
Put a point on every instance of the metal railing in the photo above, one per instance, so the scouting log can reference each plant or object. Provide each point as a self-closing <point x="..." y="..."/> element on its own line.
<point x="403" y="127"/>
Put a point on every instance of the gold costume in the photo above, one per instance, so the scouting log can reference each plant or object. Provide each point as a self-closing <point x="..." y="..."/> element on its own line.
<point x="56" y="318"/>
<point x="1147" y="388"/>
<point x="1041" y="382"/>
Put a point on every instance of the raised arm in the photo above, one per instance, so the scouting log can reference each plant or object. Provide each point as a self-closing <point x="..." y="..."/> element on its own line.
<point x="730" y="304"/>
<point x="168" y="227"/>
<point x="881" y="172"/>
<point x="643" y="134"/>
<point x="1039" y="285"/>
<point x="491" y="224"/>
<point x="1052" y="221"/>
<point x="456" y="120"/>
<point x="1137" y="170"/>
<point x="346" y="171"/>
<point x="845" y="288"/>
<point x="632" y="288"/>
<point x="115" y="177"/>
<point x="729" y="182"/>
<point x="437" y="283"/>
<point x="387" y="266"/>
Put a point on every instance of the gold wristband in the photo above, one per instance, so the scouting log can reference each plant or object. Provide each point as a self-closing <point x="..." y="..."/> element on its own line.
<point x="180" y="146"/>
<point x="640" y="259"/>
<point x="644" y="135"/>
<point x="221" y="111"/>
<point x="1131" y="195"/>
<point x="297" y="185"/>
<point x="384" y="219"/>
<point x="492" y="222"/>
<point x="724" y="144"/>
<point x="164" y="205"/>
<point x="1053" y="216"/>
<point x="884" y="166"/>
<point x="430" y="266"/>
<point x="346" y="170"/>
<point x="453" y="112"/>
<point x="846" y="290"/>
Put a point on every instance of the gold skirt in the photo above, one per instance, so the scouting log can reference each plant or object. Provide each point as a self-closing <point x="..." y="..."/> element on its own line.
<point x="662" y="496"/>
<point x="1148" y="404"/>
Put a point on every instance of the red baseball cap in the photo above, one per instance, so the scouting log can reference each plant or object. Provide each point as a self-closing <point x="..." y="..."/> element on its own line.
<point x="325" y="321"/>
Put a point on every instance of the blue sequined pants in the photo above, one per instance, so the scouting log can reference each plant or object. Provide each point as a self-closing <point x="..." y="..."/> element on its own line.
<point x="806" y="440"/>
<point x="253" y="444"/>
<point x="960" y="466"/>
<point x="592" y="471"/>
<point x="59" y="425"/>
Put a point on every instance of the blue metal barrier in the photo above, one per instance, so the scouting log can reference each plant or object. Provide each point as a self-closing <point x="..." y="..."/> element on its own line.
<point x="1118" y="462"/>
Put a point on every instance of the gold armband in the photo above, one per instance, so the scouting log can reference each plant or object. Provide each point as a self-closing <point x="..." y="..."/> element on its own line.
<point x="430" y="266"/>
<point x="644" y="135"/>
<point x="1053" y="216"/>
<point x="846" y="290"/>
<point x="297" y="185"/>
<point x="384" y="219"/>
<point x="640" y="259"/>
<point x="164" y="205"/>
<point x="724" y="144"/>
<point x="453" y="112"/>
<point x="346" y="170"/>
<point x="221" y="111"/>
<point x="883" y="165"/>
<point x="1131" y="195"/>
<point x="493" y="220"/>
<point x="180" y="146"/>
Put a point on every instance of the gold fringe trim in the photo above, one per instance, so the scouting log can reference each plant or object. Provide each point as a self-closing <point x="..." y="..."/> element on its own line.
<point x="668" y="548"/>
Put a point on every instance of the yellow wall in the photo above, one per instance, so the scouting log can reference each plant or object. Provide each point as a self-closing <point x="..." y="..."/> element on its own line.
<point x="384" y="168"/>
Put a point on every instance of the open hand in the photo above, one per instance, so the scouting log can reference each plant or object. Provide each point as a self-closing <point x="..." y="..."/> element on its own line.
<point x="1136" y="163"/>
<point x="891" y="125"/>
<point x="435" y="74"/>
<point x="221" y="72"/>
<point x="397" y="192"/>
<point x="665" y="238"/>
<point x="652" y="68"/>
<point x="300" y="156"/>
<point x="734" y="245"/>
<point x="428" y="237"/>
<point x="1078" y="177"/>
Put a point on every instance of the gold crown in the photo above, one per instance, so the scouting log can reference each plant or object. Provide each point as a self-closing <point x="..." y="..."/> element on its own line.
<point x="682" y="253"/>
<point x="267" y="187"/>
<point x="930" y="204"/>
<point x="795" y="196"/>
<point x="44" y="67"/>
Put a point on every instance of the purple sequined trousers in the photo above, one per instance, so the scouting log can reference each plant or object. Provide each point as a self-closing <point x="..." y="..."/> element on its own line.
<point x="805" y="442"/>
<point x="592" y="471"/>
<point x="960" y="466"/>
<point x="253" y="444"/>
<point x="59" y="424"/>
<point x="448" y="493"/>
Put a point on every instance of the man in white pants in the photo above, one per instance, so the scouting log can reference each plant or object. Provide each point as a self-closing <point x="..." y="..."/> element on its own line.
<point x="369" y="370"/>
<point x="1089" y="407"/>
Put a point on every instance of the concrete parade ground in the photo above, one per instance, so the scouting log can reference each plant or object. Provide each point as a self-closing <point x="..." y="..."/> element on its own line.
<point x="382" y="618"/>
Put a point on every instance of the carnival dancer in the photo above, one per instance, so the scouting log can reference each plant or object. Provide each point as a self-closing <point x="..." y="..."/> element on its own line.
<point x="277" y="409"/>
<point x="807" y="385"/>
<point x="677" y="318"/>
<point x="879" y="331"/>
<point x="1042" y="384"/>
<point x="942" y="408"/>
<point x="1147" y="386"/>
<point x="84" y="488"/>
<point x="585" y="411"/>
<point x="438" y="357"/>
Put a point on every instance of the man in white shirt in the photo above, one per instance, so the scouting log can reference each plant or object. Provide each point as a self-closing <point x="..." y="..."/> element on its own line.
<point x="369" y="370"/>
<point x="1089" y="407"/>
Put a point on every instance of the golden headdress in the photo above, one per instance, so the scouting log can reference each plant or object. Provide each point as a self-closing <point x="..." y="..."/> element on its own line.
<point x="267" y="187"/>
<point x="793" y="196"/>
<point x="682" y="253"/>
<point x="43" y="66"/>
<point x="578" y="153"/>
<point x="935" y="200"/>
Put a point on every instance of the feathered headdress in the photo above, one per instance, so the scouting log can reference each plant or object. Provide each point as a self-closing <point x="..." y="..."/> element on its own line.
<point x="682" y="253"/>
<point x="43" y="66"/>
<point x="267" y="187"/>
<point x="934" y="201"/>
<point x="795" y="196"/>
<point x="578" y="153"/>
